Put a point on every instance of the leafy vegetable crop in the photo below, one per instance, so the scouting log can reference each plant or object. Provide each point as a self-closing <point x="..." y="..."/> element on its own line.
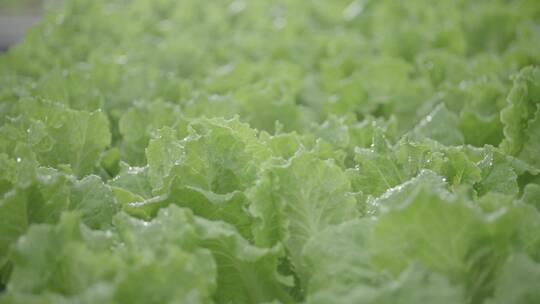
<point x="160" y="151"/>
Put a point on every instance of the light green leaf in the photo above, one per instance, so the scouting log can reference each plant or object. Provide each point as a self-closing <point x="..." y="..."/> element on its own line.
<point x="339" y="258"/>
<point x="531" y="195"/>
<point x="94" y="200"/>
<point x="60" y="136"/>
<point x="517" y="281"/>
<point x="522" y="104"/>
<point x="293" y="201"/>
<point x="140" y="123"/>
<point x="440" y="125"/>
<point x="531" y="146"/>
<point x="208" y="170"/>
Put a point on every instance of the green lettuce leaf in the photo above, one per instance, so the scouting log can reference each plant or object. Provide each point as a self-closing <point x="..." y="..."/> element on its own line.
<point x="58" y="135"/>
<point x="522" y="104"/>
<point x="294" y="200"/>
<point x="347" y="275"/>
<point x="517" y="281"/>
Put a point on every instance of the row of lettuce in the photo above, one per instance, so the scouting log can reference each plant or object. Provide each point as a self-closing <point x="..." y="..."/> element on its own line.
<point x="250" y="152"/>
